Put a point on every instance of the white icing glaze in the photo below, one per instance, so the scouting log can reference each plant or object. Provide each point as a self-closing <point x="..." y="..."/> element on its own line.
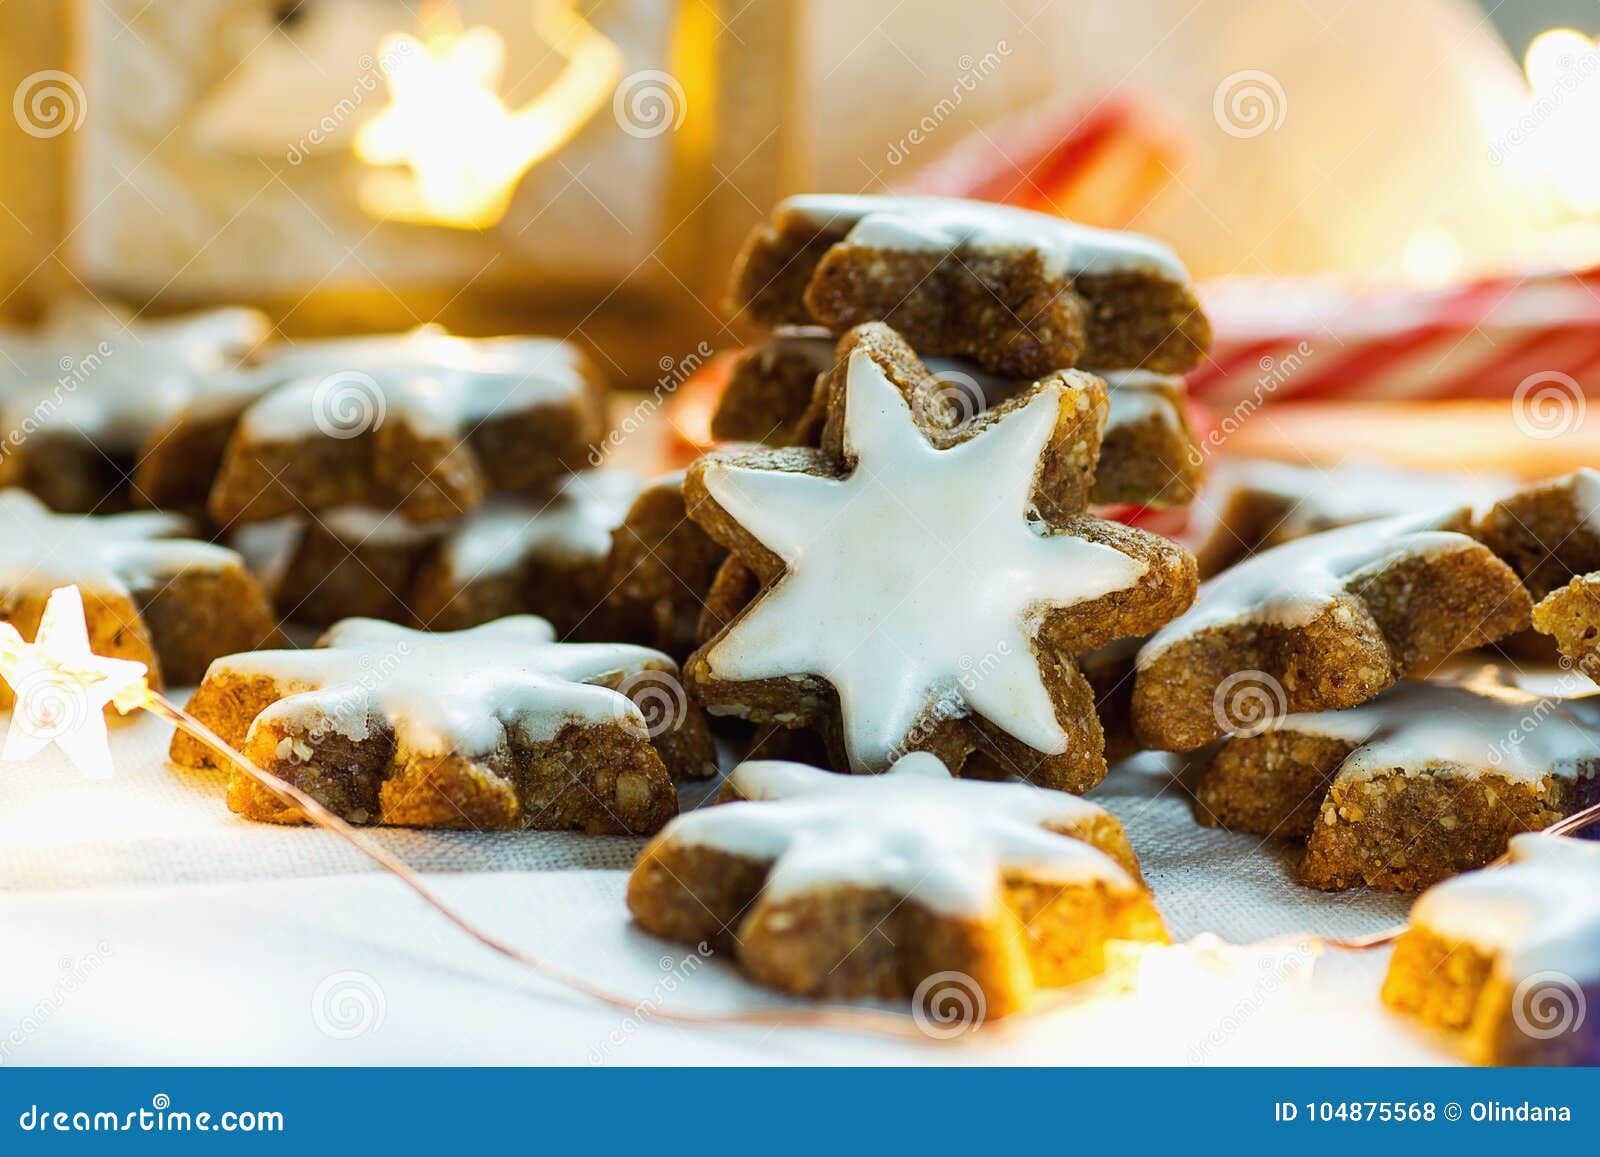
<point x="113" y="554"/>
<point x="941" y="842"/>
<point x="1353" y="491"/>
<point x="1539" y="913"/>
<point x="1483" y="724"/>
<point x="573" y="525"/>
<point x="432" y="380"/>
<point x="1586" y="496"/>
<point x="1136" y="396"/>
<point x="949" y="224"/>
<point x="1291" y="584"/>
<point x="454" y="691"/>
<point x="916" y="579"/>
<point x="113" y="380"/>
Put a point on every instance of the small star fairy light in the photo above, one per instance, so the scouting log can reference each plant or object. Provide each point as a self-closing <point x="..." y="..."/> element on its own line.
<point x="62" y="688"/>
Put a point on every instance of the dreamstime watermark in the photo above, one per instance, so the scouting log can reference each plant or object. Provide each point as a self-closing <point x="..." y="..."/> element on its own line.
<point x="1275" y="371"/>
<point x="1248" y="103"/>
<point x="948" y="1005"/>
<point x="1548" y="1004"/>
<point x="674" y="372"/>
<point x="74" y="972"/>
<point x="648" y="103"/>
<point x="372" y="74"/>
<point x="48" y="103"/>
<point x="952" y="704"/>
<point x="74" y="372"/>
<point x="974" y="71"/>
<point x="660" y="700"/>
<point x="1572" y="72"/>
<point x="348" y="404"/>
<point x="1276" y="972"/>
<point x="348" y="1004"/>
<point x="1248" y="703"/>
<point x="1548" y="404"/>
<point x="676" y="972"/>
<point x="376" y="669"/>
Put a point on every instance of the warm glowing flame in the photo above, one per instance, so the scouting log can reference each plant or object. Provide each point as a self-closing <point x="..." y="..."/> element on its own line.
<point x="453" y="150"/>
<point x="1557" y="128"/>
<point x="62" y="688"/>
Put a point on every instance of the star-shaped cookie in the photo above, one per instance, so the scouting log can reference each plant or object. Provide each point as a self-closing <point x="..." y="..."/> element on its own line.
<point x="425" y="423"/>
<point x="150" y="595"/>
<point x="839" y="886"/>
<point x="928" y="587"/>
<point x="1321" y="623"/>
<point x="1509" y="957"/>
<point x="497" y="727"/>
<point x="1426" y="780"/>
<point x="84" y="393"/>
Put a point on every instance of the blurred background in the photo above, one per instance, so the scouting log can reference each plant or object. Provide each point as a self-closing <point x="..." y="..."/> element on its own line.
<point x="1389" y="202"/>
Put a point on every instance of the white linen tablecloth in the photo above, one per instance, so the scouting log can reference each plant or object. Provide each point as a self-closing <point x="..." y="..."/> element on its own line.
<point x="144" y="923"/>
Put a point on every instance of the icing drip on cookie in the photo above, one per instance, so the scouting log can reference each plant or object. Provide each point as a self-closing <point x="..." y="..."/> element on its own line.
<point x="432" y="380"/>
<point x="113" y="381"/>
<point x="465" y="692"/>
<point x="108" y="554"/>
<point x="918" y="578"/>
<point x="1291" y="584"/>
<point x="948" y="224"/>
<point x="1539" y="913"/>
<point x="1138" y="395"/>
<point x="572" y="525"/>
<point x="941" y="842"/>
<point x="1482" y="726"/>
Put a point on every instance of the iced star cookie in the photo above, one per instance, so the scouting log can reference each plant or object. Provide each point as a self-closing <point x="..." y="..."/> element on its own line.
<point x="1148" y="452"/>
<point x="1253" y="505"/>
<point x="149" y="594"/>
<point x="1427" y="780"/>
<point x="424" y="423"/>
<point x="833" y="886"/>
<point x="1323" y="622"/>
<point x="82" y="396"/>
<point x="930" y="587"/>
<point x="498" y="727"/>
<point x="1549" y="532"/>
<point x="1020" y="292"/>
<point x="543" y="552"/>
<point x="1508" y="958"/>
<point x="659" y="570"/>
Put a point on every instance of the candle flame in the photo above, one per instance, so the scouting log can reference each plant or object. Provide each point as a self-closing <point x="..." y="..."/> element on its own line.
<point x="450" y="149"/>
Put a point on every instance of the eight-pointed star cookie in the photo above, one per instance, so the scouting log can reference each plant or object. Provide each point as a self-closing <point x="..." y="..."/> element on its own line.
<point x="1509" y="957"/>
<point x="81" y="396"/>
<point x="149" y="594"/>
<point x="425" y="423"/>
<point x="842" y="886"/>
<point x="1023" y="293"/>
<point x="1426" y="780"/>
<point x="929" y="588"/>
<point x="1321" y="623"/>
<point x="495" y="727"/>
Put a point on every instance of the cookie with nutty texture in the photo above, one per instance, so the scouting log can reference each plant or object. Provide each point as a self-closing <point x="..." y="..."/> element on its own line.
<point x="1427" y="780"/>
<point x="1324" y="622"/>
<point x="427" y="425"/>
<point x="1508" y="958"/>
<point x="930" y="587"/>
<point x="85" y="392"/>
<point x="1571" y="616"/>
<point x="1021" y="293"/>
<point x="1148" y="452"/>
<point x="1248" y="506"/>
<point x="831" y="887"/>
<point x="149" y="594"/>
<point x="660" y="567"/>
<point x="498" y="727"/>
<point x="1548" y="532"/>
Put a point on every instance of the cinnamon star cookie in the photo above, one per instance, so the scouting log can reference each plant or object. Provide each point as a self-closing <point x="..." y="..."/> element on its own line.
<point x="929" y="588"/>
